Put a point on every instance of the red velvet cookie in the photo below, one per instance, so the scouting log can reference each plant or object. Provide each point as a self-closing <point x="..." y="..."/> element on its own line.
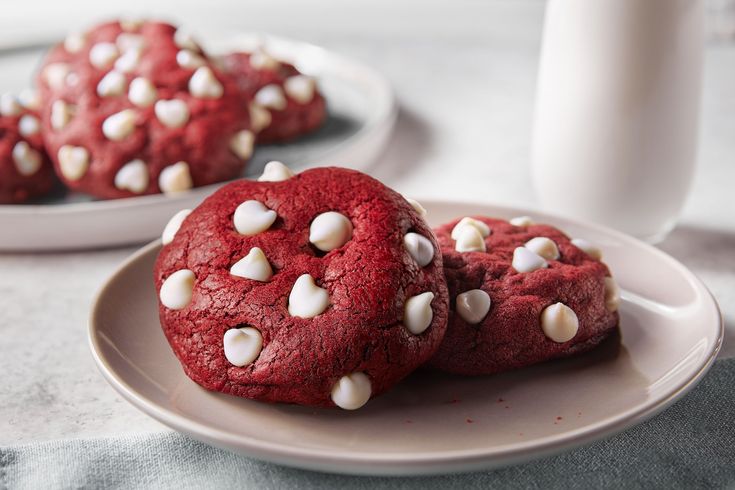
<point x="138" y="108"/>
<point x="322" y="289"/>
<point x="25" y="171"/>
<point x="285" y="104"/>
<point x="520" y="295"/>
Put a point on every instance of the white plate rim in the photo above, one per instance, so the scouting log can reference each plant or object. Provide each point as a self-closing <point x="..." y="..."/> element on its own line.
<point x="439" y="463"/>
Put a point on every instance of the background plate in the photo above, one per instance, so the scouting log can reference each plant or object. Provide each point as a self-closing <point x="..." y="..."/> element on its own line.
<point x="671" y="331"/>
<point x="362" y="113"/>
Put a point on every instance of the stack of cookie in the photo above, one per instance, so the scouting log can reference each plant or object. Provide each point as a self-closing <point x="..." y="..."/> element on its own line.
<point x="327" y="288"/>
<point x="133" y="108"/>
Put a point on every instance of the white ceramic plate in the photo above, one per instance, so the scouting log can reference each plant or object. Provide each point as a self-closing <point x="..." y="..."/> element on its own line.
<point x="362" y="112"/>
<point x="671" y="331"/>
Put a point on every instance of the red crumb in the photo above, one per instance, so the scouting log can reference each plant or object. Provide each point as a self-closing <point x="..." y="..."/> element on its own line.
<point x="500" y="400"/>
<point x="470" y="421"/>
<point x="453" y="401"/>
<point x="559" y="418"/>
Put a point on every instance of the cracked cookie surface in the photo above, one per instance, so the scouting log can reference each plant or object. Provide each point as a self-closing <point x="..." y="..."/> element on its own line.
<point x="284" y="103"/>
<point x="510" y="308"/>
<point x="311" y="326"/>
<point x="138" y="108"/>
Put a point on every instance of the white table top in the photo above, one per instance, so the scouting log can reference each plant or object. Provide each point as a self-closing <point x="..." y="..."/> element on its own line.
<point x="464" y="73"/>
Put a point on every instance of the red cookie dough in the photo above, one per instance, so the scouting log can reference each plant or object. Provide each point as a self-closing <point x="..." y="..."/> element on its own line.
<point x="25" y="170"/>
<point x="285" y="104"/>
<point x="510" y="335"/>
<point x="369" y="280"/>
<point x="125" y="103"/>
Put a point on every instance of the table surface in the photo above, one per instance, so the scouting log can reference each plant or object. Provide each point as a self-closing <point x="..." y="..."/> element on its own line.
<point x="464" y="73"/>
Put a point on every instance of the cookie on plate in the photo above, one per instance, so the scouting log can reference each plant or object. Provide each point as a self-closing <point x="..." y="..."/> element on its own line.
<point x="324" y="288"/>
<point x="285" y="104"/>
<point x="25" y="171"/>
<point x="131" y="108"/>
<point x="520" y="294"/>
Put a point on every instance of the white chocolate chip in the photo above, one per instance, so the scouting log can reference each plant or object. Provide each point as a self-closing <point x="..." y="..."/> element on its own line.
<point x="300" y="88"/>
<point x="30" y="98"/>
<point x="525" y="260"/>
<point x="175" y="178"/>
<point x="271" y="96"/>
<point x="420" y="248"/>
<point x="588" y="248"/>
<point x="252" y="217"/>
<point x="131" y="24"/>
<point x="187" y="58"/>
<point x="177" y="289"/>
<point x="522" y="221"/>
<point x="128" y="61"/>
<point x="306" y="299"/>
<point x="172" y="113"/>
<point x="29" y="125"/>
<point x="242" y="144"/>
<point x="133" y="177"/>
<point x="61" y="114"/>
<point x="73" y="161"/>
<point x="260" y="117"/>
<point x="559" y="323"/>
<point x="142" y="93"/>
<point x="275" y="172"/>
<point x="260" y="60"/>
<point x="330" y="230"/>
<point x="204" y="85"/>
<point x="612" y="294"/>
<point x="27" y="160"/>
<point x="466" y="221"/>
<point x="183" y="39"/>
<point x="253" y="266"/>
<point x="72" y="79"/>
<point x="102" y="55"/>
<point x="120" y="125"/>
<point x="9" y="105"/>
<point x="544" y="247"/>
<point x="242" y="345"/>
<point x="55" y="75"/>
<point x="130" y="42"/>
<point x="473" y="305"/>
<point x="352" y="391"/>
<point x="173" y="225"/>
<point x="417" y="206"/>
<point x="417" y="312"/>
<point x="469" y="239"/>
<point x="112" y="84"/>
<point x="74" y="42"/>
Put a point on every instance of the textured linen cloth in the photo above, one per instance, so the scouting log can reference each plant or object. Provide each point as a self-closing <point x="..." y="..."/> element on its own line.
<point x="690" y="445"/>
